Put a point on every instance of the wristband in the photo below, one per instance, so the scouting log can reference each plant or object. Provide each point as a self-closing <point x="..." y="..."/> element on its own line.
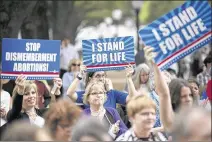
<point x="80" y="78"/>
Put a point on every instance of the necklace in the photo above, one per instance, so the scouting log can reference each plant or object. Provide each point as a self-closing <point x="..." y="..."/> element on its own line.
<point x="99" y="114"/>
<point x="32" y="114"/>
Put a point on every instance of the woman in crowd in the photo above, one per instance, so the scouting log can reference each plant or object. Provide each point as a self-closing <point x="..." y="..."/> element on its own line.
<point x="175" y="97"/>
<point x="113" y="96"/>
<point x="143" y="82"/>
<point x="71" y="74"/>
<point x="194" y="85"/>
<point x="95" y="96"/>
<point x="60" y="118"/>
<point x="141" y="111"/>
<point x="24" y="102"/>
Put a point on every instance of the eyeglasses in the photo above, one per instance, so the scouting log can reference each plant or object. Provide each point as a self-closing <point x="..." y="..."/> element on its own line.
<point x="96" y="93"/>
<point x="75" y="64"/>
<point x="100" y="76"/>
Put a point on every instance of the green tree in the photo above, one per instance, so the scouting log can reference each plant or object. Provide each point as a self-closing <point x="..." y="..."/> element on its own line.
<point x="152" y="10"/>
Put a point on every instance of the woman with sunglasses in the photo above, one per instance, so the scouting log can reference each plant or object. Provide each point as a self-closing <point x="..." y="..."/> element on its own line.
<point x="95" y="96"/>
<point x="71" y="74"/>
<point x="24" y="101"/>
<point x="113" y="96"/>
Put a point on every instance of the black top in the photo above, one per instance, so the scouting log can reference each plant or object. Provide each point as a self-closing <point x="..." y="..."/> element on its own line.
<point x="16" y="114"/>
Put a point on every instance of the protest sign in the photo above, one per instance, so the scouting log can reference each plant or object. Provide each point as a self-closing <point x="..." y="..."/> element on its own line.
<point x="108" y="53"/>
<point x="179" y="33"/>
<point x="36" y="59"/>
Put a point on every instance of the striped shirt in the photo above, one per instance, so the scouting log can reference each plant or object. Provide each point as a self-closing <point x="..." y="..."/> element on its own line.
<point x="130" y="136"/>
<point x="203" y="78"/>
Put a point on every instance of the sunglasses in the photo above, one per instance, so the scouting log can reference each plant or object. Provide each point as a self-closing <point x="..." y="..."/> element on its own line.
<point x="75" y="64"/>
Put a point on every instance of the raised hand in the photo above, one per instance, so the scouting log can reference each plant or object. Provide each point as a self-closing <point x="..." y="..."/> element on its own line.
<point x="108" y="84"/>
<point x="20" y="82"/>
<point x="83" y="68"/>
<point x="149" y="54"/>
<point x="2" y="112"/>
<point x="58" y="81"/>
<point x="115" y="127"/>
<point x="129" y="70"/>
<point x="57" y="85"/>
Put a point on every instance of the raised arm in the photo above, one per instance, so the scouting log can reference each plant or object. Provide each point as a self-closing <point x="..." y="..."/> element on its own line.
<point x="131" y="88"/>
<point x="18" y="99"/>
<point x="71" y="92"/>
<point x="166" y="111"/>
<point x="53" y="94"/>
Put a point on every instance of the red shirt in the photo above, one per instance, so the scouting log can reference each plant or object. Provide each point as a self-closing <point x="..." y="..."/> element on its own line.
<point x="208" y="90"/>
<point x="42" y="93"/>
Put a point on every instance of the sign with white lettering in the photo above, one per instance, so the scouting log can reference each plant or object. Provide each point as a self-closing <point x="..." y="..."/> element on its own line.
<point x="36" y="59"/>
<point x="108" y="53"/>
<point x="179" y="33"/>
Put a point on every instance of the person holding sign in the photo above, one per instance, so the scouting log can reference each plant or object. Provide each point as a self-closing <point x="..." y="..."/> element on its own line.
<point x="113" y="96"/>
<point x="173" y="98"/>
<point x="143" y="84"/>
<point x="95" y="96"/>
<point x="24" y="101"/>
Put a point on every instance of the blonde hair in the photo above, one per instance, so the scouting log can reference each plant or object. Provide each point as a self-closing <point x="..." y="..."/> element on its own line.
<point x="89" y="88"/>
<point x="138" y="103"/>
<point x="29" y="84"/>
<point x="137" y="79"/>
<point x="72" y="61"/>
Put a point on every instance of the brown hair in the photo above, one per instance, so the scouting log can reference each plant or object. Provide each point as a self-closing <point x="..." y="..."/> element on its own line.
<point x="89" y="75"/>
<point x="138" y="103"/>
<point x="175" y="87"/>
<point x="59" y="111"/>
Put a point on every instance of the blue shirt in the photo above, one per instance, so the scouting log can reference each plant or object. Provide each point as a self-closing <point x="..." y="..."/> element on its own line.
<point x="204" y="95"/>
<point x="113" y="97"/>
<point x="67" y="79"/>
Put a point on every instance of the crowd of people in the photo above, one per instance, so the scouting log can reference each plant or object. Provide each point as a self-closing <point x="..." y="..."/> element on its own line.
<point x="154" y="106"/>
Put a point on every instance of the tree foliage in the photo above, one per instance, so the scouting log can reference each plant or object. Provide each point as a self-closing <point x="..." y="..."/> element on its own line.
<point x="152" y="10"/>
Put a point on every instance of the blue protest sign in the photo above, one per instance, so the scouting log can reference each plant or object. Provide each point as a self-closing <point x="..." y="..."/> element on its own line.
<point x="36" y="59"/>
<point x="179" y="33"/>
<point x="108" y="53"/>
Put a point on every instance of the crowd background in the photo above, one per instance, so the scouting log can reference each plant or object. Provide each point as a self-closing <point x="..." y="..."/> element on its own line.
<point x="161" y="98"/>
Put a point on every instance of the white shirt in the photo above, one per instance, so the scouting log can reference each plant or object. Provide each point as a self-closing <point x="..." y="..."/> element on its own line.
<point x="39" y="121"/>
<point x="5" y="103"/>
<point x="67" y="54"/>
